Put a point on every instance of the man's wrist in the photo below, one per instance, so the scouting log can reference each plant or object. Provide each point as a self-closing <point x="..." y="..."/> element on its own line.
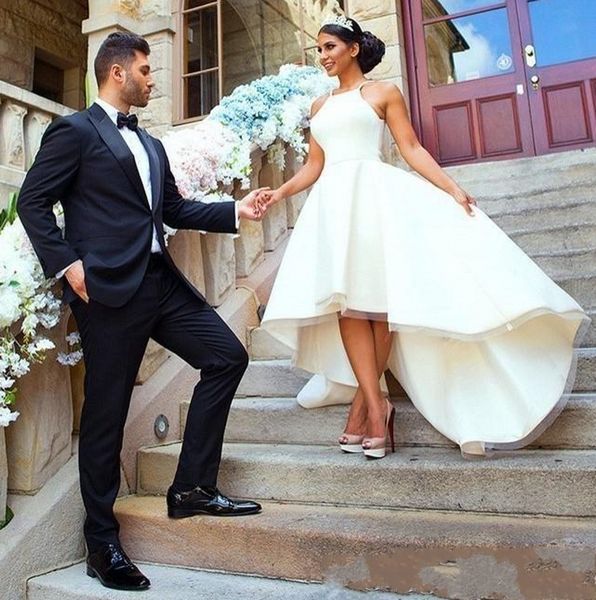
<point x="237" y="213"/>
<point x="61" y="274"/>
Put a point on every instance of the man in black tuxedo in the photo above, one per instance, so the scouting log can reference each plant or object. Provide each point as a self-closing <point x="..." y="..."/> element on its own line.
<point x="115" y="185"/>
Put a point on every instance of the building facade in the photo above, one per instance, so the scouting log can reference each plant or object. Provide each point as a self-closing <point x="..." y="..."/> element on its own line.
<point x="484" y="79"/>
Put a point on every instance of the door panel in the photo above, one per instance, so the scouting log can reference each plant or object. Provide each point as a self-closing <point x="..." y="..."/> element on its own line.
<point x="501" y="79"/>
<point x="472" y="106"/>
<point x="498" y="120"/>
<point x="454" y="128"/>
<point x="561" y="33"/>
<point x="566" y="113"/>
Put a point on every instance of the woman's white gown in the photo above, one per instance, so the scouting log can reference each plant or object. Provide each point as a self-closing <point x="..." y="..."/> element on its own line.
<point x="484" y="338"/>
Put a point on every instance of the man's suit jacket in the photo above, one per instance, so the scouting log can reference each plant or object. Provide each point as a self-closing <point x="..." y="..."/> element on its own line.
<point x="84" y="163"/>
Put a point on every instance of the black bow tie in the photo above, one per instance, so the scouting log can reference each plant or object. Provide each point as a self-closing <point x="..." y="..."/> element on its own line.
<point x="130" y="121"/>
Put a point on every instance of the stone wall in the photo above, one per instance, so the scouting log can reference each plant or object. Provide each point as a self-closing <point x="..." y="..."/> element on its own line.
<point x="53" y="29"/>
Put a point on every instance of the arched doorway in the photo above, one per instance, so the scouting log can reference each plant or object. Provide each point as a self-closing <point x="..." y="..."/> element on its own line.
<point x="501" y="79"/>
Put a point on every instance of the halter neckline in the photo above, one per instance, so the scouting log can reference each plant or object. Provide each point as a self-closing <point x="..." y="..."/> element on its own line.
<point x="331" y="94"/>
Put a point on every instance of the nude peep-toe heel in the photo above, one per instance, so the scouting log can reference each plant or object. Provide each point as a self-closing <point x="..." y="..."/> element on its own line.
<point x="376" y="447"/>
<point x="352" y="444"/>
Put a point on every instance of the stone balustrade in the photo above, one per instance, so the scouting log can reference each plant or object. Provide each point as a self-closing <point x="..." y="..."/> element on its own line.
<point x="24" y="117"/>
<point x="50" y="397"/>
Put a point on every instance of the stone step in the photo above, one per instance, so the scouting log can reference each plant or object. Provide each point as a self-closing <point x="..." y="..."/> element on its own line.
<point x="561" y="164"/>
<point x="567" y="183"/>
<point x="590" y="337"/>
<point x="567" y="214"/>
<point x="578" y="236"/>
<point x="585" y="380"/>
<point x="552" y="482"/>
<point x="566" y="263"/>
<point x="272" y="378"/>
<point x="284" y="421"/>
<point x="184" y="583"/>
<point x="514" y="200"/>
<point x="263" y="346"/>
<point x="580" y="287"/>
<point x="278" y="379"/>
<point x="461" y="556"/>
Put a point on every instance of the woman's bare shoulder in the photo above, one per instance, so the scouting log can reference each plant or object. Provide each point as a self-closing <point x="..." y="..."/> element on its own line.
<point x="384" y="89"/>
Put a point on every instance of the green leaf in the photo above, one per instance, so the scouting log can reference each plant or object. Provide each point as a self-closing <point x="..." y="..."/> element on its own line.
<point x="7" y="518"/>
<point x="9" y="214"/>
<point x="10" y="397"/>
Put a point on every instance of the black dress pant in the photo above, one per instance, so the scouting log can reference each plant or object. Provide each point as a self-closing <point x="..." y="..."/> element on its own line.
<point x="114" y="341"/>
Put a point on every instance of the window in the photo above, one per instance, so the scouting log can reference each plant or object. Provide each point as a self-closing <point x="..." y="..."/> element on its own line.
<point x="57" y="80"/>
<point x="48" y="80"/>
<point x="225" y="43"/>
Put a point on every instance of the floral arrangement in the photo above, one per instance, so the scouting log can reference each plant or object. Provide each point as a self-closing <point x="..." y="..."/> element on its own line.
<point x="206" y="156"/>
<point x="211" y="154"/>
<point x="25" y="294"/>
<point x="274" y="107"/>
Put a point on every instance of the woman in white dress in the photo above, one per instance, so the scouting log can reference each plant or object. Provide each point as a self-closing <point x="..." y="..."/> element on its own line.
<point x="388" y="269"/>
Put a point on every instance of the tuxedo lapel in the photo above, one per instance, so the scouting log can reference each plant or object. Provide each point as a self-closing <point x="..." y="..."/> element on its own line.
<point x="117" y="146"/>
<point x="155" y="168"/>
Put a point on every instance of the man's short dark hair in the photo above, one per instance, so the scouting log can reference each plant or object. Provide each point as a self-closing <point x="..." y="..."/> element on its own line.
<point x="118" y="48"/>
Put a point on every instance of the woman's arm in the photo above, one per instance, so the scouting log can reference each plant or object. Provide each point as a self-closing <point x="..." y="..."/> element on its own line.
<point x="308" y="173"/>
<point x="398" y="121"/>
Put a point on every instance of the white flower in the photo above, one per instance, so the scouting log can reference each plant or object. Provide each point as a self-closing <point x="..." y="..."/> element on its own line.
<point x="71" y="359"/>
<point x="7" y="416"/>
<point x="20" y="367"/>
<point x="6" y="383"/>
<point x="73" y="338"/>
<point x="39" y="345"/>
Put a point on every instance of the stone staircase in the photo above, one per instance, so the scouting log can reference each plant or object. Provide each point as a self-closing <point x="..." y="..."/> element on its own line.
<point x="519" y="526"/>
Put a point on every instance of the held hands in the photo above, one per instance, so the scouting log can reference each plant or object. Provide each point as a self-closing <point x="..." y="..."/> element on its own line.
<point x="75" y="276"/>
<point x="253" y="207"/>
<point x="464" y="199"/>
<point x="271" y="197"/>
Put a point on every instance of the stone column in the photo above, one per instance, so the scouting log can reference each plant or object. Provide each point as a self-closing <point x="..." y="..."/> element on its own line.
<point x="250" y="244"/>
<point x="12" y="147"/>
<point x="220" y="266"/>
<point x="153" y="20"/>
<point x="3" y="475"/>
<point x="383" y="19"/>
<point x="36" y="124"/>
<point x="295" y="203"/>
<point x="275" y="223"/>
<point x="39" y="441"/>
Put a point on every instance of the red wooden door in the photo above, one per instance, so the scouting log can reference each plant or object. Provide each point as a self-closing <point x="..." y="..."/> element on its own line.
<point x="559" y="45"/>
<point x="472" y="64"/>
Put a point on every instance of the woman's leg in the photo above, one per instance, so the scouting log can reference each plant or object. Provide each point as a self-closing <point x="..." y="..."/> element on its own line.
<point x="359" y="342"/>
<point x="356" y="424"/>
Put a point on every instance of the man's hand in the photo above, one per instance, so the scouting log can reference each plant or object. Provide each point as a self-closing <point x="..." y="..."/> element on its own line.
<point x="253" y="206"/>
<point x="75" y="276"/>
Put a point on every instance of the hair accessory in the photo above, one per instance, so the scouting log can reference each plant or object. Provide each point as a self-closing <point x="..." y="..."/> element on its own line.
<point x="340" y="21"/>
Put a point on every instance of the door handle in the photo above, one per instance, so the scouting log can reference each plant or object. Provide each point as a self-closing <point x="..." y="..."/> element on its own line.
<point x="534" y="80"/>
<point x="530" y="55"/>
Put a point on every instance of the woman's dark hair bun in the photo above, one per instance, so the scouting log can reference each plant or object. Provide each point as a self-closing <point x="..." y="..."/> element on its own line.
<point x="372" y="50"/>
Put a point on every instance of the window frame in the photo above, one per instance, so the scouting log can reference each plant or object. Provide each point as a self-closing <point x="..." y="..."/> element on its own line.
<point x="180" y="63"/>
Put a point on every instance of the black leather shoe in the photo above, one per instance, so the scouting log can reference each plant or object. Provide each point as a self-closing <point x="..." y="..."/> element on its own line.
<point x="207" y="501"/>
<point x="115" y="570"/>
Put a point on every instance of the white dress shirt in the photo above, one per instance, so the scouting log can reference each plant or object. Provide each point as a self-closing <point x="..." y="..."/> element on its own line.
<point x="141" y="159"/>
